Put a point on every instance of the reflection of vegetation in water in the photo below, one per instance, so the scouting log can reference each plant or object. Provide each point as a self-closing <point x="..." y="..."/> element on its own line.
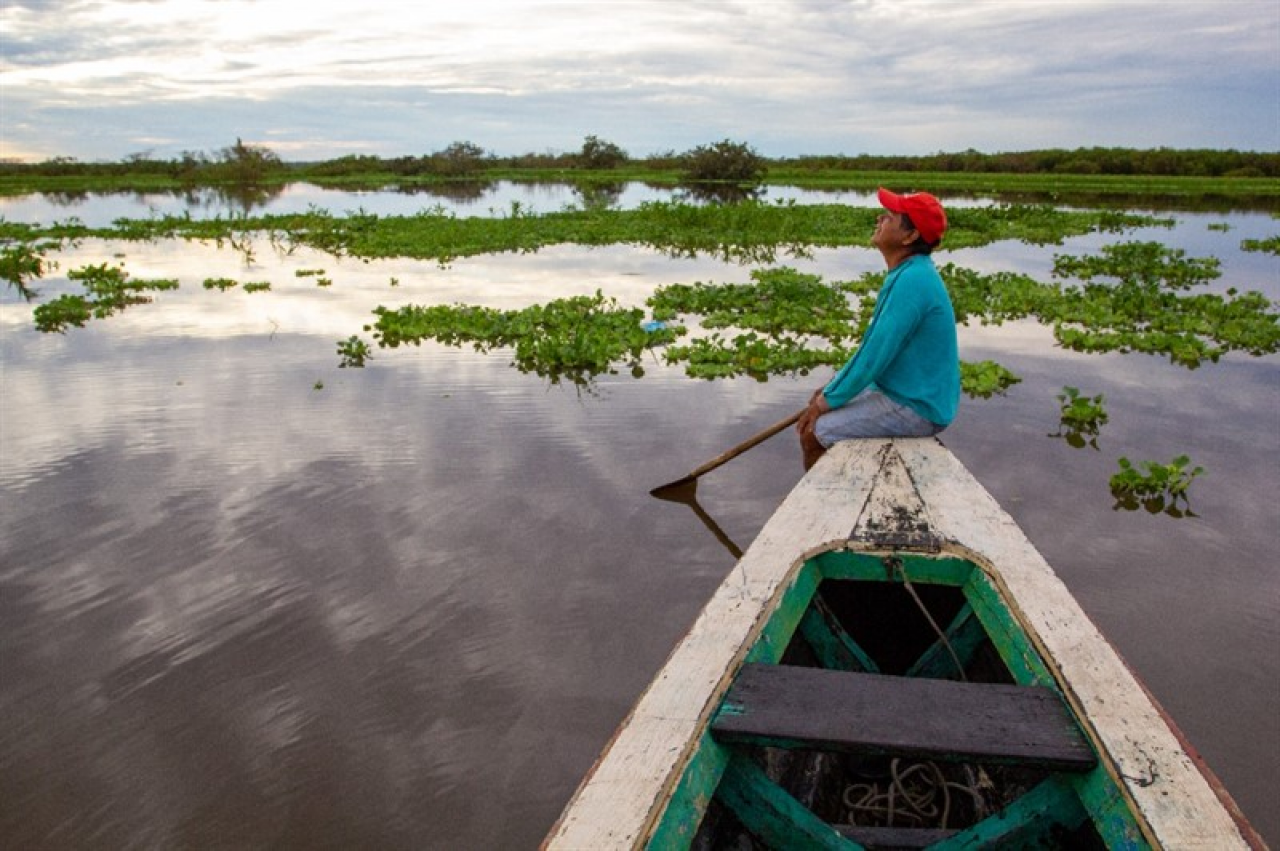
<point x="108" y="290"/>
<point x="243" y="197"/>
<point x="22" y="263"/>
<point x="451" y="190"/>
<point x="576" y="338"/>
<point x="1157" y="488"/>
<point x="718" y="193"/>
<point x="599" y="195"/>
<point x="1080" y="418"/>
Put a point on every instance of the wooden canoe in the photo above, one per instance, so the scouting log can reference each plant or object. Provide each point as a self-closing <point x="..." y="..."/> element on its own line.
<point x="892" y="664"/>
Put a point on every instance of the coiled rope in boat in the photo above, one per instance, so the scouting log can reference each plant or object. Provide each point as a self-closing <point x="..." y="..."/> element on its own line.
<point x="918" y="795"/>
<point x="914" y="795"/>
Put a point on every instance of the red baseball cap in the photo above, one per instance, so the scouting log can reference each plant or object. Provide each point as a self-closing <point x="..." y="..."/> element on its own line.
<point x="925" y="211"/>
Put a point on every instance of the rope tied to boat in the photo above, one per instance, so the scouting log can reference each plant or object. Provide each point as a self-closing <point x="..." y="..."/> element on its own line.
<point x="901" y="570"/>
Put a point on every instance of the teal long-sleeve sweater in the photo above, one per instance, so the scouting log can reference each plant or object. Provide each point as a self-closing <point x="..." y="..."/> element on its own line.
<point x="910" y="351"/>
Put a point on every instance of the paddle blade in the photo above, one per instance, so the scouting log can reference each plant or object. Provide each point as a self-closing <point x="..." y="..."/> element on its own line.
<point x="673" y="490"/>
<point x="681" y="490"/>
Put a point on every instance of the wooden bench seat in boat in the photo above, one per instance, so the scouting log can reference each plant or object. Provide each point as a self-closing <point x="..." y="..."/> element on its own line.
<point x="789" y="706"/>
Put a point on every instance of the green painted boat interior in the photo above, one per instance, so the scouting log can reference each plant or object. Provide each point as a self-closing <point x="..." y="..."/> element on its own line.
<point x="883" y="621"/>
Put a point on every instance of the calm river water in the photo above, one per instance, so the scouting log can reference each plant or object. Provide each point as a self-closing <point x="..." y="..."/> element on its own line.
<point x="250" y="599"/>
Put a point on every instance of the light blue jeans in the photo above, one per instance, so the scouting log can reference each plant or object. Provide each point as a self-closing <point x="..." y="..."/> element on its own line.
<point x="872" y="414"/>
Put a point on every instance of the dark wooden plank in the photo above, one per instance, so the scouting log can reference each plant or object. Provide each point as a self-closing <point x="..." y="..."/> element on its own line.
<point x="787" y="706"/>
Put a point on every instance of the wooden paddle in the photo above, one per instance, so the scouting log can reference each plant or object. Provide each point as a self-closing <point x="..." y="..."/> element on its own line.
<point x="673" y="490"/>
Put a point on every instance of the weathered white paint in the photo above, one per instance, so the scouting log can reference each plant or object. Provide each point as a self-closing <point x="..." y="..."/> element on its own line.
<point x="859" y="490"/>
<point x="1180" y="808"/>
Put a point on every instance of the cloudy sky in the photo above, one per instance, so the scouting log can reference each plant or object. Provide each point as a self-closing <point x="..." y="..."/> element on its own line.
<point x="314" y="79"/>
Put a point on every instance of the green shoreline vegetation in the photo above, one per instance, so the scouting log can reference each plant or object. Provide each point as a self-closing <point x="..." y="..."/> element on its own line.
<point x="1130" y="297"/>
<point x="1082" y="171"/>
<point x="720" y="169"/>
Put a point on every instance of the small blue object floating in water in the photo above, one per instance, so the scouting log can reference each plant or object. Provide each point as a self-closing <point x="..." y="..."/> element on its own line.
<point x="653" y="325"/>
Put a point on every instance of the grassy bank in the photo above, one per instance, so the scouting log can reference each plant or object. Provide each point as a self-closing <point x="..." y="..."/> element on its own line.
<point x="1255" y="190"/>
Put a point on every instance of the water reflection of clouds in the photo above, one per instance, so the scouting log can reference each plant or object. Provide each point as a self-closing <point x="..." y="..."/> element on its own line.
<point x="318" y="579"/>
<point x="496" y="198"/>
<point x="380" y="584"/>
<point x="299" y="305"/>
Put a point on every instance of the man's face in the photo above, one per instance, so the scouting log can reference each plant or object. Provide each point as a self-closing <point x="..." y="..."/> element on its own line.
<point x="891" y="230"/>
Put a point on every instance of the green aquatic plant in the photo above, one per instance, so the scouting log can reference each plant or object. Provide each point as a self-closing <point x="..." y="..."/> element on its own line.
<point x="985" y="379"/>
<point x="61" y="313"/>
<point x="1080" y="418"/>
<point x="1133" y="300"/>
<point x="777" y="301"/>
<point x="751" y="354"/>
<point x="994" y="298"/>
<point x="1269" y="245"/>
<point x="223" y="284"/>
<point x="1149" y="265"/>
<point x="257" y="286"/>
<point x="354" y="352"/>
<point x="575" y="338"/>
<point x="752" y="231"/>
<point x="785" y="322"/>
<point x="1155" y="487"/>
<point x="108" y="290"/>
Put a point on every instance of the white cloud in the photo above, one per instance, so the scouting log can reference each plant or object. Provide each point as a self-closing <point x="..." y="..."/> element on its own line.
<point x="795" y="76"/>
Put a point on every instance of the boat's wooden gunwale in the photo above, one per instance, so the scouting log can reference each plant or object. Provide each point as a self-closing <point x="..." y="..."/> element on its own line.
<point x="1174" y="804"/>
<point x="890" y="496"/>
<point x="620" y="802"/>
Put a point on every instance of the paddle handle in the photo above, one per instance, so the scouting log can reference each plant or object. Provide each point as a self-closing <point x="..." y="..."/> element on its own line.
<point x="746" y="444"/>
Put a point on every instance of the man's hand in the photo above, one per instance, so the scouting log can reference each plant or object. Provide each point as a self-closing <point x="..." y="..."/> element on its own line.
<point x="817" y="407"/>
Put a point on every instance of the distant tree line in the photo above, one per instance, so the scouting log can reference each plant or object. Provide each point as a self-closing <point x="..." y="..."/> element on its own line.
<point x="725" y="161"/>
<point x="1159" y="162"/>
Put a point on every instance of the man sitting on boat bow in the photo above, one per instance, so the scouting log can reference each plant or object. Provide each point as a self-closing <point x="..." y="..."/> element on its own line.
<point x="904" y="379"/>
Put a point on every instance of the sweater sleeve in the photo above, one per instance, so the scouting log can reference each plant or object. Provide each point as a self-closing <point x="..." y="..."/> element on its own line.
<point x="897" y="313"/>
